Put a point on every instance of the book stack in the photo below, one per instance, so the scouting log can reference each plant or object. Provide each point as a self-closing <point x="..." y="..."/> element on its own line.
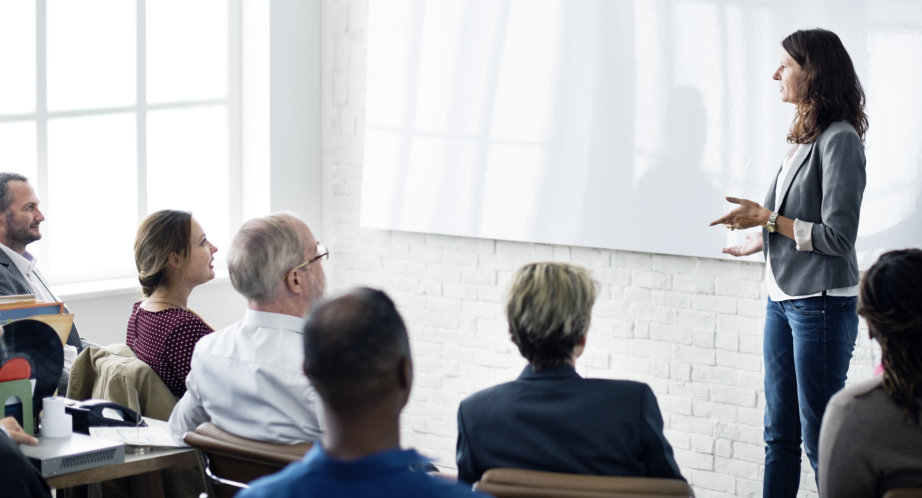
<point x="24" y="306"/>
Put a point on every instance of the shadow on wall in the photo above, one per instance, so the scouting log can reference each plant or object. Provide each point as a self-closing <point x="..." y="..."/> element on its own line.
<point x="678" y="178"/>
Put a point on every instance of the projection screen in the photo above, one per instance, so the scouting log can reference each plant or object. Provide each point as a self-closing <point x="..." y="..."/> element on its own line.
<point x="618" y="124"/>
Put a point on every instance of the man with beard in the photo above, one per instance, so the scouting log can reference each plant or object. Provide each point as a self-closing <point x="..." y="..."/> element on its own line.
<point x="19" y="227"/>
<point x="246" y="378"/>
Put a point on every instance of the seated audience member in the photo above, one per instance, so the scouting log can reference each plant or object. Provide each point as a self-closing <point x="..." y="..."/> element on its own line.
<point x="18" y="476"/>
<point x="173" y="257"/>
<point x="247" y="378"/>
<point x="357" y="355"/>
<point x="19" y="227"/>
<point x="550" y="418"/>
<point x="871" y="438"/>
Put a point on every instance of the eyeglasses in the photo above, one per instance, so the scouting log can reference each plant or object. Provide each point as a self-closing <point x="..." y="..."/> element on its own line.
<point x="323" y="255"/>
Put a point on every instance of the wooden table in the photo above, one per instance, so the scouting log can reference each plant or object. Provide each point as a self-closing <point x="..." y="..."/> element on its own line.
<point x="143" y="469"/>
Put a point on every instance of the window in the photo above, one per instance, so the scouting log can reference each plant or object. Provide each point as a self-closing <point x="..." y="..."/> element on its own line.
<point x="115" y="109"/>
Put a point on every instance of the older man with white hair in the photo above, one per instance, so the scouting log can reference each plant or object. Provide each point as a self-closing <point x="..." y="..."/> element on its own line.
<point x="247" y="378"/>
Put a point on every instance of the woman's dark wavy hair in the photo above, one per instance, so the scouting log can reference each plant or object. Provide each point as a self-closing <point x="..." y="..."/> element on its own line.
<point x="831" y="88"/>
<point x="890" y="301"/>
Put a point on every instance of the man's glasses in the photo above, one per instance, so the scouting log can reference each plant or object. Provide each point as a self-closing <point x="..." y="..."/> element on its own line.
<point x="323" y="254"/>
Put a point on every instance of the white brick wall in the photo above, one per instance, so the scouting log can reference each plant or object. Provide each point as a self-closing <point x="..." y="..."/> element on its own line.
<point x="689" y="327"/>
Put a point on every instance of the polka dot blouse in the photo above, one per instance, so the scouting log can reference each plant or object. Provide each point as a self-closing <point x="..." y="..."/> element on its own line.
<point x="165" y="340"/>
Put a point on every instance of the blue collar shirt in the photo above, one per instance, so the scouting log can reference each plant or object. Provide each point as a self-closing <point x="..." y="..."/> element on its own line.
<point x="387" y="473"/>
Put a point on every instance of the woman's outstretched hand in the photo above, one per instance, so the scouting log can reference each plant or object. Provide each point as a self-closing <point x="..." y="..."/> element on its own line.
<point x="751" y="245"/>
<point x="749" y="214"/>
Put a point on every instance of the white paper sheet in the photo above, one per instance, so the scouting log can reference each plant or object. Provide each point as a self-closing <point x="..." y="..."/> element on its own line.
<point x="140" y="436"/>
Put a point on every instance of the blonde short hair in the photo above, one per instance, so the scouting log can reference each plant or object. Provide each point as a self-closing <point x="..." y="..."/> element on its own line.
<point x="548" y="307"/>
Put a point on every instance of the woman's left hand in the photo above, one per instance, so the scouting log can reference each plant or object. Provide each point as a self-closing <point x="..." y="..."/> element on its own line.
<point x="749" y="214"/>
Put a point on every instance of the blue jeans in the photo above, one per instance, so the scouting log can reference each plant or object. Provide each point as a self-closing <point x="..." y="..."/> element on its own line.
<point x="807" y="346"/>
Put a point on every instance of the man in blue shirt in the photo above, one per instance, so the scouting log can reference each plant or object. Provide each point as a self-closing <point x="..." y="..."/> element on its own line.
<point x="357" y="356"/>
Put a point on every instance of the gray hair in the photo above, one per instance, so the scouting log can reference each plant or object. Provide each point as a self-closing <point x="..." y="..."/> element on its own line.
<point x="5" y="198"/>
<point x="262" y="252"/>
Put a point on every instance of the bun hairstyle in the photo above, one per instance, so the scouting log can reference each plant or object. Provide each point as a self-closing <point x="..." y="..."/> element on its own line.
<point x="890" y="300"/>
<point x="161" y="234"/>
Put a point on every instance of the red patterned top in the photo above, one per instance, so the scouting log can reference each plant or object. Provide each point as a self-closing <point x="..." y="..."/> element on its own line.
<point x="165" y="340"/>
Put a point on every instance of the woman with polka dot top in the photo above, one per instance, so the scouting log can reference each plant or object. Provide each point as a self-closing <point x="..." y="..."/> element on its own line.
<point x="173" y="257"/>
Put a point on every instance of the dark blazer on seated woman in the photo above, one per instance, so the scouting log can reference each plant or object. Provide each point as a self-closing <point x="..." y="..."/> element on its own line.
<point x="556" y="421"/>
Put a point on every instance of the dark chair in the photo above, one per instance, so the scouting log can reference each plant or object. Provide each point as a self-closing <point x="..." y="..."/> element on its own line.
<point x="230" y="462"/>
<point x="520" y="483"/>
<point x="904" y="493"/>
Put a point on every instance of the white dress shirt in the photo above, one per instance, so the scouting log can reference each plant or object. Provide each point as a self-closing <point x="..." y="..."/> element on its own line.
<point x="247" y="379"/>
<point x="25" y="263"/>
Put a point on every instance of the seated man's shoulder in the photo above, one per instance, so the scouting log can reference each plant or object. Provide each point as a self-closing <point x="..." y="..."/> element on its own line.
<point x="621" y="392"/>
<point x="218" y="339"/>
<point x="489" y="394"/>
<point x="427" y="485"/>
<point x="627" y="386"/>
<point x="294" y="481"/>
<point x="316" y="475"/>
<point x="500" y="394"/>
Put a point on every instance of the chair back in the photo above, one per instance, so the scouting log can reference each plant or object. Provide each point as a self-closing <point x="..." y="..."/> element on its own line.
<point x="230" y="462"/>
<point x="521" y="483"/>
<point x="904" y="493"/>
<point x="114" y="373"/>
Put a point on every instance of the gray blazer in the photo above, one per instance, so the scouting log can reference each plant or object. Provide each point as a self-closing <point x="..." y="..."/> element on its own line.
<point x="824" y="186"/>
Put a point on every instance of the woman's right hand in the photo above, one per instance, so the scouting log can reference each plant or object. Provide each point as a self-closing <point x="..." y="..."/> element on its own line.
<point x="751" y="245"/>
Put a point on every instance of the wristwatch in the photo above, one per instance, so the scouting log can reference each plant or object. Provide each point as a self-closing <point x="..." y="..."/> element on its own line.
<point x="770" y="226"/>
